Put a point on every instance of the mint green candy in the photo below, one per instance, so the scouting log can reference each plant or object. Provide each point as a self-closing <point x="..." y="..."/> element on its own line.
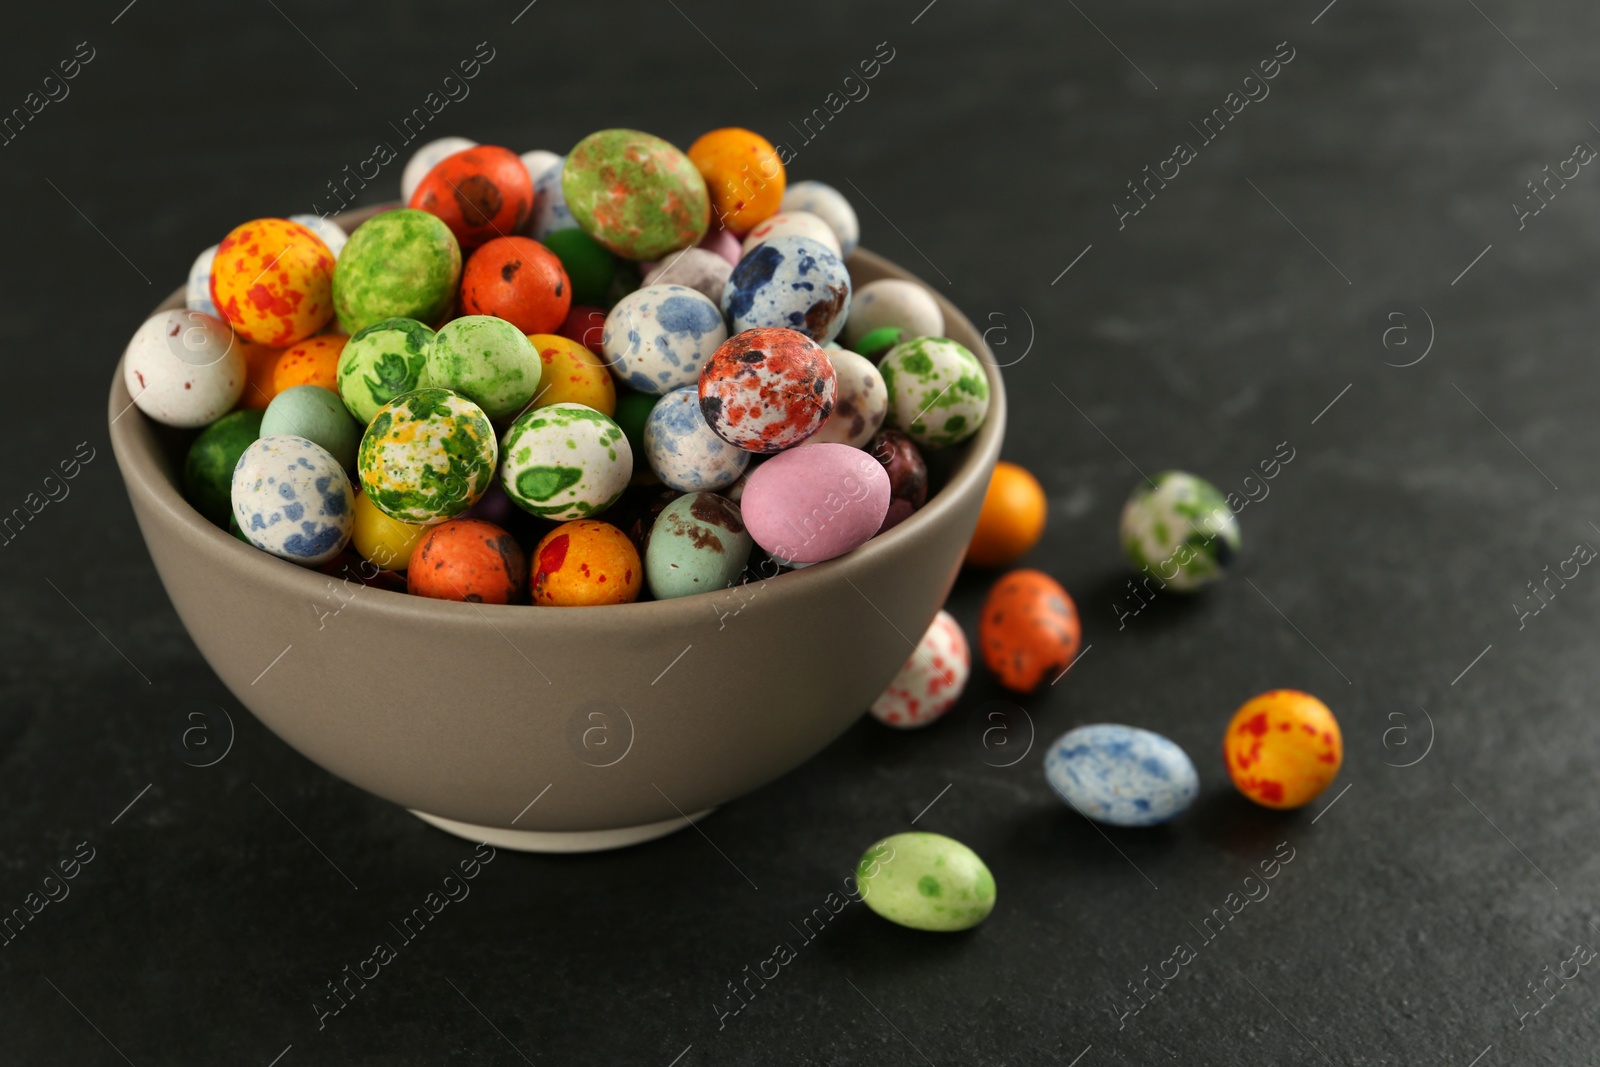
<point x="926" y="881"/>
<point x="938" y="393"/>
<point x="381" y="362"/>
<point x="208" y="470"/>
<point x="318" y="415"/>
<point x="488" y="361"/>
<point x="400" y="264"/>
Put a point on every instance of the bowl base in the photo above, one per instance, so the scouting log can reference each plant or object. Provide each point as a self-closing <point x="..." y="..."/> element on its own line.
<point x="561" y="841"/>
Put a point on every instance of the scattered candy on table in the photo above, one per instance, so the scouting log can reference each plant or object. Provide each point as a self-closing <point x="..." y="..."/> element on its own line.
<point x="767" y="389"/>
<point x="292" y="499"/>
<point x="1029" y="630"/>
<point x="1179" y="528"/>
<point x="470" y="560"/>
<point x="565" y="461"/>
<point x="1121" y="775"/>
<point x="1283" y="748"/>
<point x="926" y="881"/>
<point x="697" y="543"/>
<point x="938" y="392"/>
<point x="932" y="679"/>
<point x="1011" y="520"/>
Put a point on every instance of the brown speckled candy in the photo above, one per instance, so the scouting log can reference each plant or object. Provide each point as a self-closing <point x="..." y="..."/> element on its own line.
<point x="908" y="474"/>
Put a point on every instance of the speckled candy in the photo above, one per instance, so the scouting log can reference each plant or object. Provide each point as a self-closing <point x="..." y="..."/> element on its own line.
<point x="427" y="456"/>
<point x="586" y="563"/>
<point x="926" y="881"/>
<point x="565" y="461"/>
<point x="400" y="264"/>
<point x="792" y="282"/>
<point x="571" y="374"/>
<point x="1028" y="630"/>
<point x="938" y="393"/>
<point x="698" y="543"/>
<point x="184" y="368"/>
<point x="481" y="193"/>
<point x="656" y="339"/>
<point x="292" y="499"/>
<point x="487" y="360"/>
<point x="425" y="158"/>
<point x="331" y="232"/>
<point x="208" y="468"/>
<point x="792" y="224"/>
<point x="197" y="291"/>
<point x="550" y="212"/>
<point x="1283" y="748"/>
<point x="908" y="474"/>
<point x="380" y="363"/>
<point x="698" y="268"/>
<point x="931" y="681"/>
<point x="765" y="390"/>
<point x="744" y="176"/>
<point x="272" y="280"/>
<point x="829" y="205"/>
<point x="1179" y="528"/>
<point x="860" y="404"/>
<point x="314" y="361"/>
<point x="683" y="451"/>
<point x="537" y="162"/>
<point x="635" y="193"/>
<point x="815" y="502"/>
<point x="468" y="560"/>
<point x="893" y="303"/>
<point x="1121" y="775"/>
<point x="519" y="280"/>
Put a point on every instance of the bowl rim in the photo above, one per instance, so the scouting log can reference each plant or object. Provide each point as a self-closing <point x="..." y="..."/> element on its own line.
<point x="135" y="445"/>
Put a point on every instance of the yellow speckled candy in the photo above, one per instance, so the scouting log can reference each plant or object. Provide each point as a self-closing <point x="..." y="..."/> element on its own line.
<point x="1283" y="748"/>
<point x="384" y="541"/>
<point x="272" y="279"/>
<point x="572" y="375"/>
<point x="427" y="456"/>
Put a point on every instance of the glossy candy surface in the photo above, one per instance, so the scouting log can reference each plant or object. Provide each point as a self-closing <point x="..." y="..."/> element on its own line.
<point x="636" y="194"/>
<point x="197" y="291"/>
<point x="519" y="280"/>
<point x="1121" y="775"/>
<point x="893" y="303"/>
<point x="400" y="264"/>
<point x="908" y="474"/>
<point x="590" y="268"/>
<point x="686" y="453"/>
<point x="208" y="468"/>
<point x="926" y="881"/>
<point x="292" y="499"/>
<point x="697" y="543"/>
<point x="931" y="681"/>
<point x="314" y="361"/>
<point x="586" y="325"/>
<point x="427" y="456"/>
<point x="565" y="461"/>
<point x="487" y="360"/>
<point x="656" y="339"/>
<point x="381" y="540"/>
<point x="938" y="393"/>
<point x="829" y="205"/>
<point x="1180" y="529"/>
<point x="744" y="176"/>
<point x="1011" y="520"/>
<point x="572" y="374"/>
<point x="318" y="415"/>
<point x="861" y="400"/>
<point x="469" y="560"/>
<point x="1029" y="630"/>
<point x="815" y="502"/>
<point x="381" y="362"/>
<point x="480" y="193"/>
<point x="1283" y="748"/>
<point x="585" y="563"/>
<point x="184" y="368"/>
<point x="765" y="390"/>
<point x="792" y="282"/>
<point x="272" y="280"/>
<point x="425" y="158"/>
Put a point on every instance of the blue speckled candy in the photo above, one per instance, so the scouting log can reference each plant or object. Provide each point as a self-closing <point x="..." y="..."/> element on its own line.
<point x="1121" y="775"/>
<point x="550" y="204"/>
<point x="657" y="338"/>
<point x="291" y="498"/>
<point x="684" y="451"/>
<point x="793" y="282"/>
<point x="197" y="293"/>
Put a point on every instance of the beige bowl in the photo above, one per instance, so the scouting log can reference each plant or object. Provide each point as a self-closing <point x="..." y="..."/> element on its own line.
<point x="554" y="729"/>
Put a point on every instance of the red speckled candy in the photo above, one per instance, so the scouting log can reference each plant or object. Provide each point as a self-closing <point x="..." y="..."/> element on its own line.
<point x="272" y="280"/>
<point x="1283" y="748"/>
<point x="480" y="193"/>
<point x="766" y="389"/>
<point x="470" y="560"/>
<point x="1029" y="630"/>
<point x="586" y="562"/>
<point x="519" y="280"/>
<point x="931" y="681"/>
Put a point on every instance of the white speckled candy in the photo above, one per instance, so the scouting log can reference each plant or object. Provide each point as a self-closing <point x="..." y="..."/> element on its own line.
<point x="331" y="232"/>
<point x="656" y="339"/>
<point x="860" y="401"/>
<point x="792" y="282"/>
<point x="684" y="451"/>
<point x="550" y="211"/>
<point x="1181" y="528"/>
<point x="197" y="293"/>
<point x="893" y="302"/>
<point x="1121" y="775"/>
<point x="425" y="159"/>
<point x="565" y="461"/>
<point x="699" y="268"/>
<point x="829" y="205"/>
<point x="931" y="681"/>
<point x="938" y="392"/>
<point x="291" y="498"/>
<point x="538" y="161"/>
<point x="793" y="224"/>
<point x="184" y="368"/>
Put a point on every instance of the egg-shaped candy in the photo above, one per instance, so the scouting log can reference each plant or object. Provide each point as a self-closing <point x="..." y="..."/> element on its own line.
<point x="260" y="374"/>
<point x="481" y="193"/>
<point x="1029" y="630"/>
<point x="331" y="232"/>
<point x="938" y="392"/>
<point x="197" y="291"/>
<point x="1121" y="775"/>
<point x="723" y="243"/>
<point x="698" y="268"/>
<point x="380" y="540"/>
<point x="318" y="415"/>
<point x="697" y="544"/>
<point x="292" y="499"/>
<point x="829" y="205"/>
<point x="537" y="162"/>
<point x="469" y="560"/>
<point x="1012" y="519"/>
<point x="686" y="453"/>
<point x="586" y="325"/>
<point x="381" y="362"/>
<point x="860" y="404"/>
<point x="1181" y="529"/>
<point x="425" y="158"/>
<point x="632" y="412"/>
<point x="272" y="280"/>
<point x="635" y="193"/>
<point x="183" y="368"/>
<point x="590" y="269"/>
<point x="765" y="390"/>
<point x="314" y="361"/>
<point x="586" y="563"/>
<point x="571" y="374"/>
<point x="400" y="264"/>
<point x="875" y="344"/>
<point x="931" y="681"/>
<point x="1283" y="748"/>
<point x="427" y="456"/>
<point x="792" y="224"/>
<point x="487" y="360"/>
<point x="657" y="339"/>
<point x="208" y="468"/>
<point x="815" y="502"/>
<point x="550" y="211"/>
<point x="519" y="280"/>
<point x="792" y="282"/>
<point x="908" y="474"/>
<point x="565" y="461"/>
<point x="744" y="176"/>
<point x="926" y="882"/>
<point x="896" y="303"/>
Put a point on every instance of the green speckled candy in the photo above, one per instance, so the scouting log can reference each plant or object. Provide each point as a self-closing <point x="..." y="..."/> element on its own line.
<point x="1180" y="529"/>
<point x="427" y="456"/>
<point x="400" y="264"/>
<point x="208" y="470"/>
<point x="698" y="544"/>
<point x="938" y="393"/>
<point x="488" y="361"/>
<point x="565" y="461"/>
<point x="926" y="881"/>
<point x="635" y="194"/>
<point x="380" y="362"/>
<point x="319" y="416"/>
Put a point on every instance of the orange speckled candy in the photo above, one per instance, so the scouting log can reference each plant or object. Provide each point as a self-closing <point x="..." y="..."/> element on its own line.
<point x="1029" y="630"/>
<point x="586" y="562"/>
<point x="470" y="560"/>
<point x="1012" y="519"/>
<point x="311" y="362"/>
<point x="1283" y="748"/>
<point x="272" y="279"/>
<point x="743" y="174"/>
<point x="572" y="375"/>
<point x="260" y="362"/>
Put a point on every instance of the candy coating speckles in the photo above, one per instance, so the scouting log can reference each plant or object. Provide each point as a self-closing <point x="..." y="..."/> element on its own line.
<point x="938" y="392"/>
<point x="565" y="461"/>
<point x="1283" y="748"/>
<point x="860" y="404"/>
<point x="331" y="232"/>
<point x="1179" y="528"/>
<point x="469" y="560"/>
<point x="698" y="543"/>
<point x="425" y="158"/>
<point x="184" y="368"/>
<point x="829" y="205"/>
<point x="926" y="881"/>
<point x="1012" y="519"/>
<point x="1121" y="775"/>
<point x="481" y="193"/>
<point x="893" y="303"/>
<point x="272" y="279"/>
<point x="656" y="339"/>
<point x="292" y="499"/>
<point x="586" y="563"/>
<point x="744" y="176"/>
<point x="427" y="456"/>
<point x="380" y="363"/>
<point x="792" y="282"/>
<point x="636" y="194"/>
<point x="793" y="224"/>
<point x="487" y="360"/>
<point x="683" y="451"/>
<point x="400" y="264"/>
<point x="571" y="374"/>
<point x="314" y="361"/>
<point x="520" y="280"/>
<point x="932" y="679"/>
<point x="767" y="389"/>
<point x="1029" y="630"/>
<point x="550" y="212"/>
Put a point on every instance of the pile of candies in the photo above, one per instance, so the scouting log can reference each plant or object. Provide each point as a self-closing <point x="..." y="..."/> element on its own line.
<point x="560" y="380"/>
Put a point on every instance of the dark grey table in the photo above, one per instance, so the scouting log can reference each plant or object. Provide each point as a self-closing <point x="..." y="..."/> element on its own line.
<point x="1351" y="264"/>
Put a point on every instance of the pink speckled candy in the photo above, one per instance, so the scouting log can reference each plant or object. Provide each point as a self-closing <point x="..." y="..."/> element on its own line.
<point x="815" y="502"/>
<point x="931" y="681"/>
<point x="766" y="389"/>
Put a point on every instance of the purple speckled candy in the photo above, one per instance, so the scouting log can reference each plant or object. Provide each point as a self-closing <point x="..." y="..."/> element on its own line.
<point x="908" y="475"/>
<point x="815" y="502"/>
